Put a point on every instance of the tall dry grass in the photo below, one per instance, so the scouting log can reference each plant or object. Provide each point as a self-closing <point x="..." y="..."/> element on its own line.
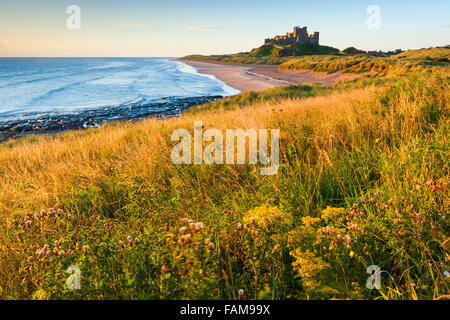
<point x="334" y="150"/>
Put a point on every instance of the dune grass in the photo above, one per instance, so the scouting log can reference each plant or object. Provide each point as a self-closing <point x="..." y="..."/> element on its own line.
<point x="425" y="60"/>
<point x="363" y="181"/>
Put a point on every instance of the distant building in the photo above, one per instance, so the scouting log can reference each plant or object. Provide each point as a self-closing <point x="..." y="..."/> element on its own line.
<point x="298" y="36"/>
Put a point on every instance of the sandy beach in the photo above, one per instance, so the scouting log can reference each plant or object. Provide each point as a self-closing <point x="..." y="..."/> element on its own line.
<point x="247" y="77"/>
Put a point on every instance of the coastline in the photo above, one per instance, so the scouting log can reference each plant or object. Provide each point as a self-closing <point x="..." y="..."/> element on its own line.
<point x="255" y="77"/>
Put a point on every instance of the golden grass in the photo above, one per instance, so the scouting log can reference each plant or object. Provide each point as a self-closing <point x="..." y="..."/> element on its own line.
<point x="334" y="149"/>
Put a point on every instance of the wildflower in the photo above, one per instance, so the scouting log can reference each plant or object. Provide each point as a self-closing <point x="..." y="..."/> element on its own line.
<point x="164" y="269"/>
<point x="121" y="244"/>
<point x="269" y="219"/>
<point x="446" y="273"/>
<point x="390" y="201"/>
<point x="60" y="211"/>
<point x="129" y="239"/>
<point x="40" y="253"/>
<point x="28" y="223"/>
<point x="239" y="226"/>
<point x="36" y="216"/>
<point x="362" y="200"/>
<point x="202" y="272"/>
<point x="86" y="249"/>
<point x="56" y="243"/>
<point x="352" y="254"/>
<point x="416" y="234"/>
<point x="437" y="187"/>
<point x="186" y="238"/>
<point x="45" y="248"/>
<point x="136" y="240"/>
<point x="61" y="254"/>
<point x="199" y="226"/>
<point x="240" y="294"/>
<point x="211" y="246"/>
<point x="418" y="187"/>
<point x="183" y="229"/>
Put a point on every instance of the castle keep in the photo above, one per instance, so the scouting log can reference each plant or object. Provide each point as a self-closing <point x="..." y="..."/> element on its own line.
<point x="299" y="35"/>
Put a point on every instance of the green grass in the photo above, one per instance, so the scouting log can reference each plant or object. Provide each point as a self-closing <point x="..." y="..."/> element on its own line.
<point x="363" y="180"/>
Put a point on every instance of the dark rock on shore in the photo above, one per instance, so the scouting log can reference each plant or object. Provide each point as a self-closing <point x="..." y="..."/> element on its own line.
<point x="58" y="122"/>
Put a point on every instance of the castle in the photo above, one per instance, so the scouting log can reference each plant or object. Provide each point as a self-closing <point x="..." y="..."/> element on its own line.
<point x="300" y="35"/>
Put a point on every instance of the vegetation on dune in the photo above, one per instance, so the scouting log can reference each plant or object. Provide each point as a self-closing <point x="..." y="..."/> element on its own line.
<point x="244" y="58"/>
<point x="424" y="60"/>
<point x="363" y="180"/>
<point x="427" y="60"/>
<point x="268" y="54"/>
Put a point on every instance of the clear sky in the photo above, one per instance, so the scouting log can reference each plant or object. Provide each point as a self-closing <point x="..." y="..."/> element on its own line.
<point x="179" y="27"/>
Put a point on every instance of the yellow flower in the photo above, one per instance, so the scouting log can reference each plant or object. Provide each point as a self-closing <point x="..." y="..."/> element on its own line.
<point x="352" y="254"/>
<point x="269" y="219"/>
<point x="309" y="266"/>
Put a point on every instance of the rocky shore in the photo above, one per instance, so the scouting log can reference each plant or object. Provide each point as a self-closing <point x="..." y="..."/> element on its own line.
<point x="58" y="122"/>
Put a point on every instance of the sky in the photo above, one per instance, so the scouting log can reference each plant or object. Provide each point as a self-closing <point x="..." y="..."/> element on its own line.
<point x="172" y="28"/>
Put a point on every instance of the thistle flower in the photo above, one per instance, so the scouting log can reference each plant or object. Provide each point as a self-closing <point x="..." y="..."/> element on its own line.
<point x="199" y="226"/>
<point x="183" y="229"/>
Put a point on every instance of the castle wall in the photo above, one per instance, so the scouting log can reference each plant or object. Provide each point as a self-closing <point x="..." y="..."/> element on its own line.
<point x="299" y="35"/>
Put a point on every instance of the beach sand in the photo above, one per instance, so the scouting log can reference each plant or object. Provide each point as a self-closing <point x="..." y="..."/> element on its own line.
<point x="247" y="77"/>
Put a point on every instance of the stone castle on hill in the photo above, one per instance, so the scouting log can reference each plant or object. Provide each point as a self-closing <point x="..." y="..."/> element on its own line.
<point x="298" y="36"/>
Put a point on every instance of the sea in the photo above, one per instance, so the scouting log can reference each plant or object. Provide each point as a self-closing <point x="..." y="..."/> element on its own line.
<point x="34" y="87"/>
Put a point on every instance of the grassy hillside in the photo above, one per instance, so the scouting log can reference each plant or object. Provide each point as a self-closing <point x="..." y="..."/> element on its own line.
<point x="363" y="180"/>
<point x="268" y="54"/>
<point x="425" y="60"/>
